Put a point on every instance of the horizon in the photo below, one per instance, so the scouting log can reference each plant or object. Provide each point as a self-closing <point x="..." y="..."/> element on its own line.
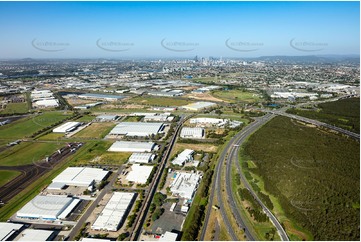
<point x="136" y="30"/>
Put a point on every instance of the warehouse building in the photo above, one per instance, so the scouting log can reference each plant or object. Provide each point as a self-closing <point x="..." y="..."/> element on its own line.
<point x="139" y="174"/>
<point x="168" y="236"/>
<point x="141" y="157"/>
<point x="105" y="97"/>
<point x="9" y="230"/>
<point x="197" y="106"/>
<point x="185" y="184"/>
<point x="130" y="146"/>
<point x="182" y="158"/>
<point x="137" y="129"/>
<point x="163" y="117"/>
<point x="95" y="240"/>
<point x="212" y="121"/>
<point x="67" y="127"/>
<point x="46" y="103"/>
<point x="36" y="235"/>
<point x="78" y="176"/>
<point x="192" y="133"/>
<point x="115" y="212"/>
<point x="107" y="118"/>
<point x="48" y="208"/>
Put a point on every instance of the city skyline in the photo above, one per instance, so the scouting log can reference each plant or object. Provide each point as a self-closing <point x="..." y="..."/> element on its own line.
<point x="178" y="29"/>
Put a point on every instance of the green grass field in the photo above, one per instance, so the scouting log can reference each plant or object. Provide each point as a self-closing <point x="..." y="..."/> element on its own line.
<point x="158" y="101"/>
<point x="132" y="119"/>
<point x="27" y="126"/>
<point x="237" y="96"/>
<point x="314" y="175"/>
<point x="15" y="108"/>
<point x="52" y="136"/>
<point x="85" y="118"/>
<point x="95" y="152"/>
<point x="343" y="113"/>
<point x="95" y="130"/>
<point x="6" y="176"/>
<point x="26" y="153"/>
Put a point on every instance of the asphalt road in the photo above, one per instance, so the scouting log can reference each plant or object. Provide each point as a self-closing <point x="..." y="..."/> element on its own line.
<point x="318" y="123"/>
<point x="234" y="157"/>
<point x="216" y="188"/>
<point x="154" y="184"/>
<point x="32" y="172"/>
<point x="90" y="210"/>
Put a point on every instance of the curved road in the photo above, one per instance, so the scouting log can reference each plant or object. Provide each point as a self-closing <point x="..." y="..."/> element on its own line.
<point x="317" y="123"/>
<point x="242" y="135"/>
<point x="234" y="157"/>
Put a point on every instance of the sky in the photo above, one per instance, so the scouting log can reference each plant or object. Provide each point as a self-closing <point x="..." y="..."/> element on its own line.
<point x="177" y="29"/>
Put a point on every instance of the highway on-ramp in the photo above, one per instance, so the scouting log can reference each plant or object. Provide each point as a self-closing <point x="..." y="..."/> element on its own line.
<point x="234" y="157"/>
<point x="216" y="186"/>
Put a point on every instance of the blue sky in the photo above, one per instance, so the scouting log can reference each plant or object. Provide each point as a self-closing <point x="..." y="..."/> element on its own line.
<point x="137" y="29"/>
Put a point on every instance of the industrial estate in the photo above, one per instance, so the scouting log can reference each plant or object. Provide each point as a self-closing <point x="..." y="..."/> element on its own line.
<point x="128" y="156"/>
<point x="179" y="121"/>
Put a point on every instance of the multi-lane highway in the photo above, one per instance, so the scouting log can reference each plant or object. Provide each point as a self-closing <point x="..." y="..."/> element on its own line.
<point x="216" y="187"/>
<point x="234" y="158"/>
<point x="317" y="123"/>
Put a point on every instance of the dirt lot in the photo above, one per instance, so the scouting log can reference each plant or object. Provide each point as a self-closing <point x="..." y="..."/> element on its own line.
<point x="203" y="96"/>
<point x="197" y="147"/>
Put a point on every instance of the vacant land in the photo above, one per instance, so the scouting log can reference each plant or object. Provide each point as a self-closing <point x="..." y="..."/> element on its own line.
<point x="15" y="108"/>
<point x="159" y="101"/>
<point x="27" y="153"/>
<point x="314" y="175"/>
<point x="6" y="176"/>
<point x="343" y="113"/>
<point x="85" y="118"/>
<point x="95" y="153"/>
<point x="237" y="96"/>
<point x="203" y="96"/>
<point x="132" y="119"/>
<point x="27" y="126"/>
<point x="197" y="147"/>
<point x="95" y="130"/>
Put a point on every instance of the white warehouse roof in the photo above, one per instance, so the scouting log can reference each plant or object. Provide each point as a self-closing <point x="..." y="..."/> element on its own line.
<point x="130" y="146"/>
<point x="107" y="117"/>
<point x="8" y="229"/>
<point x="112" y="216"/>
<point x="47" y="103"/>
<point x="137" y="129"/>
<point x="183" y="157"/>
<point x="185" y="184"/>
<point x="169" y="236"/>
<point x="196" y="133"/>
<point x="45" y="207"/>
<point x="141" y="157"/>
<point x="80" y="176"/>
<point x="207" y="120"/>
<point x="139" y="174"/>
<point x="94" y="240"/>
<point x="35" y="235"/>
<point x="67" y="127"/>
